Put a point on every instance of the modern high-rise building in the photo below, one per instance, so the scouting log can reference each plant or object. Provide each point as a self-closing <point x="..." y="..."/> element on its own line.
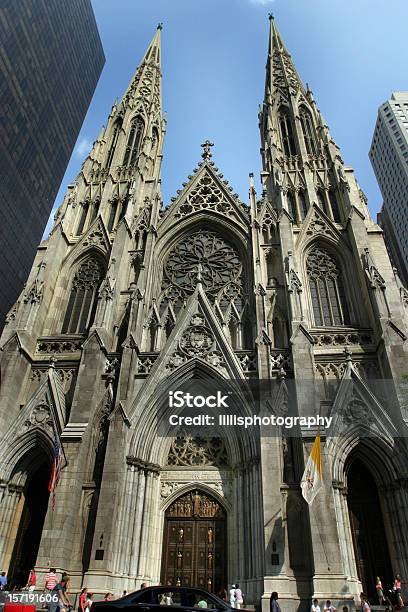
<point x="51" y="57"/>
<point x="133" y="298"/>
<point x="389" y="157"/>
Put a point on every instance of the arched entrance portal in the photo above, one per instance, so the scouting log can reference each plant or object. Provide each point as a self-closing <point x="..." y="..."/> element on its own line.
<point x="32" y="508"/>
<point x="195" y="543"/>
<point x="367" y="527"/>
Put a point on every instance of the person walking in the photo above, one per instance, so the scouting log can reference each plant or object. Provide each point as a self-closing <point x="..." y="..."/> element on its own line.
<point x="51" y="579"/>
<point x="273" y="604"/>
<point x="329" y="606"/>
<point x="89" y="602"/>
<point x="397" y="589"/>
<point x="82" y="600"/>
<point x="365" y="606"/>
<point x="60" y="601"/>
<point x="315" y="606"/>
<point x="32" y="580"/>
<point x="380" y="590"/>
<point x="232" y="597"/>
<point x="3" y="581"/>
<point x="239" y="598"/>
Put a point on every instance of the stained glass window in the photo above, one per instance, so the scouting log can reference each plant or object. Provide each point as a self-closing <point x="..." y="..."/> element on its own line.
<point x="82" y="300"/>
<point x="327" y="294"/>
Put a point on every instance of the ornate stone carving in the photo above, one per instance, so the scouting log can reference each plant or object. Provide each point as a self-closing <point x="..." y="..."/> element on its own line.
<point x="356" y="411"/>
<point x="12" y="313"/>
<point x="66" y="377"/>
<point x="40" y="416"/>
<point x="145" y="362"/>
<point x="317" y="226"/>
<point x="34" y="294"/>
<point x="66" y="345"/>
<point x="95" y="238"/>
<point x="207" y="194"/>
<point x="190" y="451"/>
<point x="223" y="488"/>
<point x="280" y="360"/>
<point x="112" y="365"/>
<point x="342" y="338"/>
<point x="195" y="504"/>
<point x="248" y="361"/>
<point x="197" y="340"/>
<point x="206" y="253"/>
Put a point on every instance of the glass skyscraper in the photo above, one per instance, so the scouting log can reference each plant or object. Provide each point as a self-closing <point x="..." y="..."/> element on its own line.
<point x="51" y="57"/>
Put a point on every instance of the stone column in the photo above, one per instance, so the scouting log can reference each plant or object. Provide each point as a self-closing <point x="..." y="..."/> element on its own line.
<point x="345" y="538"/>
<point x="10" y="498"/>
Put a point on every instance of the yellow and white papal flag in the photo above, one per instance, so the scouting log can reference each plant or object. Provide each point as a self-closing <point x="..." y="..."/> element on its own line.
<point x="312" y="479"/>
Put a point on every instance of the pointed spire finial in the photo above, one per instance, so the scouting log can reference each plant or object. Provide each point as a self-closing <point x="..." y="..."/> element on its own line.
<point x="348" y="354"/>
<point x="160" y="25"/>
<point x="271" y="16"/>
<point x="207" y="154"/>
<point x="199" y="276"/>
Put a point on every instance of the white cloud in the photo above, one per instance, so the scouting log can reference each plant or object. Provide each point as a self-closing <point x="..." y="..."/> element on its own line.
<point x="263" y="2"/>
<point x="83" y="147"/>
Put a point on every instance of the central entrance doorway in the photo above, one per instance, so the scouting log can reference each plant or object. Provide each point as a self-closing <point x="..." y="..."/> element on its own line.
<point x="195" y="543"/>
<point x="367" y="528"/>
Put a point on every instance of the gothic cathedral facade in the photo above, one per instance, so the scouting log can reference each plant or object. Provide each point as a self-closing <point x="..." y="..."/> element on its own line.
<point x="128" y="298"/>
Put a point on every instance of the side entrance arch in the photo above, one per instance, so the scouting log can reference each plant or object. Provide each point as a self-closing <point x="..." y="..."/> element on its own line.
<point x="195" y="542"/>
<point x="367" y="527"/>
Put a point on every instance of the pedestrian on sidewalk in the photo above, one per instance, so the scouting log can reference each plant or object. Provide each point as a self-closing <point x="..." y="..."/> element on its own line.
<point x="239" y="598"/>
<point x="82" y="600"/>
<point x="365" y="606"/>
<point x="89" y="602"/>
<point x="3" y="581"/>
<point x="329" y="607"/>
<point x="315" y="606"/>
<point x="380" y="590"/>
<point x="32" y="580"/>
<point x="51" y="579"/>
<point x="274" y="606"/>
<point x="232" y="597"/>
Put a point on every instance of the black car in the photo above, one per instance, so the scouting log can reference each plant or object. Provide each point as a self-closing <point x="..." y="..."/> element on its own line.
<point x="154" y="599"/>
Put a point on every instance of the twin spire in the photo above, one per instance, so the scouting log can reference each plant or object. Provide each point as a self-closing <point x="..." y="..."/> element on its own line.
<point x="281" y="73"/>
<point x="146" y="82"/>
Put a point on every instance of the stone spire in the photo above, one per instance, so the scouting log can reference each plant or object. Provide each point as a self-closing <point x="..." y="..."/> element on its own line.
<point x="281" y="73"/>
<point x="146" y="83"/>
<point x="302" y="166"/>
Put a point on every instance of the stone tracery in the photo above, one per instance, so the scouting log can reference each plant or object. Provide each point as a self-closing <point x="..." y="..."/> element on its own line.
<point x="203" y="253"/>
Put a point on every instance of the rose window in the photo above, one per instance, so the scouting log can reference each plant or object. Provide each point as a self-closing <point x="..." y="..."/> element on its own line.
<point x="203" y="255"/>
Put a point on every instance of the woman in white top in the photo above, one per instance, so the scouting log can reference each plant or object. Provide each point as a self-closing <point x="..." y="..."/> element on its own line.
<point x="315" y="606"/>
<point x="232" y="597"/>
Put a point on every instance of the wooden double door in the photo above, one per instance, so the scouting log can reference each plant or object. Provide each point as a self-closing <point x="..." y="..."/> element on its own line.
<point x="194" y="543"/>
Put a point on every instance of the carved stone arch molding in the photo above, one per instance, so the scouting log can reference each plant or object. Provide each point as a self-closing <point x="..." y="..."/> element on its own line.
<point x="173" y="490"/>
<point x="383" y="455"/>
<point x="147" y="444"/>
<point x="18" y="457"/>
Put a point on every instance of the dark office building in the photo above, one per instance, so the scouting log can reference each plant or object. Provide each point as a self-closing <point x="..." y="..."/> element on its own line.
<point x="51" y="58"/>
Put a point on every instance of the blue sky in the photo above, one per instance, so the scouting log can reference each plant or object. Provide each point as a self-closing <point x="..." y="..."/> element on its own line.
<point x="353" y="54"/>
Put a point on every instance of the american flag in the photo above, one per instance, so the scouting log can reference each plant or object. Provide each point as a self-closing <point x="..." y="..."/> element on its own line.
<point x="56" y="470"/>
